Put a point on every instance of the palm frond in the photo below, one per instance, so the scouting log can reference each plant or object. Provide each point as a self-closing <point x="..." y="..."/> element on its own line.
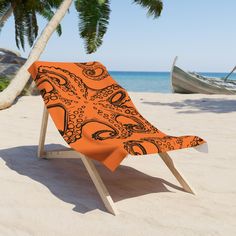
<point x="154" y="6"/>
<point x="25" y="16"/>
<point x="19" y="28"/>
<point x="47" y="13"/>
<point x="5" y="12"/>
<point x="4" y="6"/>
<point x="31" y="27"/>
<point x="93" y="21"/>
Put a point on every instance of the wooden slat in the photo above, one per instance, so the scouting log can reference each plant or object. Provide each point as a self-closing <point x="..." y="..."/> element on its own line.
<point x="61" y="154"/>
<point x="170" y="164"/>
<point x="43" y="133"/>
<point x="70" y="153"/>
<point x="90" y="167"/>
<point x="100" y="186"/>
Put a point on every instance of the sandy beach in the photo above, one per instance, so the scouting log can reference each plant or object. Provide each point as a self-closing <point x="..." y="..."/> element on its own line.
<point x="57" y="197"/>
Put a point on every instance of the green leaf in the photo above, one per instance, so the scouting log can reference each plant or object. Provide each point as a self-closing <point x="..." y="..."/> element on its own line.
<point x="154" y="6"/>
<point x="93" y="22"/>
<point x="25" y="15"/>
<point x="4" y="82"/>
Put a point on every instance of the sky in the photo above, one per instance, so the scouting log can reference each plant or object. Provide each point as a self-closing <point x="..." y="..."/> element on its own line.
<point x="201" y="33"/>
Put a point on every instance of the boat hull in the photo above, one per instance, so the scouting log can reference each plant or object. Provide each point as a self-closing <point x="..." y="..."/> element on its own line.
<point x="183" y="82"/>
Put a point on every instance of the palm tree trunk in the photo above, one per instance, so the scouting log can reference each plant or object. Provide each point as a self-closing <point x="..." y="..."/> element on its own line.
<point x="8" y="96"/>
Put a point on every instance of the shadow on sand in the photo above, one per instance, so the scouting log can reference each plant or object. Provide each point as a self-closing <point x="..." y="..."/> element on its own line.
<point x="68" y="179"/>
<point x="214" y="105"/>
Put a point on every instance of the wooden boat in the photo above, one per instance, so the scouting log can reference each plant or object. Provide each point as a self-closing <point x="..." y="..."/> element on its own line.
<point x="190" y="82"/>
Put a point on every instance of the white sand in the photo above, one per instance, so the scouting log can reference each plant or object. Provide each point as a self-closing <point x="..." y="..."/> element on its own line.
<point x="56" y="197"/>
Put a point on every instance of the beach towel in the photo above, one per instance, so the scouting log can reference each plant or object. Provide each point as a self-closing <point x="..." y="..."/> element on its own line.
<point x="96" y="116"/>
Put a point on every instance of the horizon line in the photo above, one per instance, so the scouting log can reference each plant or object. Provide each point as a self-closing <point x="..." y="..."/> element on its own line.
<point x="209" y="72"/>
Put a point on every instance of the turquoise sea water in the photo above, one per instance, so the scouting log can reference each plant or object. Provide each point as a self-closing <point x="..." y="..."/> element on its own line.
<point x="151" y="81"/>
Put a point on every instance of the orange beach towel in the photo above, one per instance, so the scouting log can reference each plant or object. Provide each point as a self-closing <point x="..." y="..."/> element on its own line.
<point x="96" y="116"/>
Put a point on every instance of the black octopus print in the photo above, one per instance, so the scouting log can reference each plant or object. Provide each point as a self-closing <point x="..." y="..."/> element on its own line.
<point x="88" y="106"/>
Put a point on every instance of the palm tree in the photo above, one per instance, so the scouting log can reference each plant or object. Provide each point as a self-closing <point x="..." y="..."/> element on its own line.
<point x="94" y="19"/>
<point x="24" y="12"/>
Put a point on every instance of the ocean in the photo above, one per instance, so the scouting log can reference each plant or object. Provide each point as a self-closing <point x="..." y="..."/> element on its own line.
<point x="152" y="81"/>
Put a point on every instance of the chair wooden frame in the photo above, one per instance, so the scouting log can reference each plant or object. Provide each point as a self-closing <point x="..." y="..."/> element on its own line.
<point x="90" y="167"/>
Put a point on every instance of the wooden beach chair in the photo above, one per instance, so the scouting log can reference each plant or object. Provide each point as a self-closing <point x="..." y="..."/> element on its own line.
<point x="111" y="125"/>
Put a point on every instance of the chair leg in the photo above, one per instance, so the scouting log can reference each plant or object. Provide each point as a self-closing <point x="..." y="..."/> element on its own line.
<point x="101" y="188"/>
<point x="43" y="133"/>
<point x="170" y="164"/>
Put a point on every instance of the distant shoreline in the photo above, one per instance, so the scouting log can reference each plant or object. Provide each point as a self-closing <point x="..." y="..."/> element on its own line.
<point x="200" y="72"/>
<point x="141" y="81"/>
